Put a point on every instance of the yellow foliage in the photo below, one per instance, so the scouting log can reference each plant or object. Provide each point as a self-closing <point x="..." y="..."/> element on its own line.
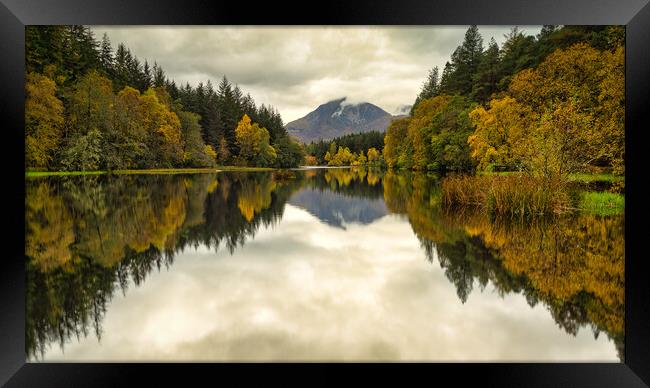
<point x="50" y="228"/>
<point x="43" y="120"/>
<point x="210" y="151"/>
<point x="310" y="160"/>
<point x="254" y="143"/>
<point x="499" y="131"/>
<point x="254" y="197"/>
<point x="395" y="134"/>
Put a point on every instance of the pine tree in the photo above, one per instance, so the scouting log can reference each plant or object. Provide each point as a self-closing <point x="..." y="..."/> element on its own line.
<point x="445" y="79"/>
<point x="106" y="56"/>
<point x="430" y="88"/>
<point x="146" y="76"/>
<point x="122" y="57"/>
<point x="486" y="77"/>
<point x="229" y="110"/>
<point x="158" y="76"/>
<point x="464" y="63"/>
<point x="516" y="54"/>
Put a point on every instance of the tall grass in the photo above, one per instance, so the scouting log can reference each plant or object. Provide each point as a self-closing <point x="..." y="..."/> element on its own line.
<point x="507" y="195"/>
<point x="602" y="203"/>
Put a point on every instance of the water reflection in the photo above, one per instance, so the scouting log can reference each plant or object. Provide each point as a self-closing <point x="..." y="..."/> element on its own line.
<point x="90" y="239"/>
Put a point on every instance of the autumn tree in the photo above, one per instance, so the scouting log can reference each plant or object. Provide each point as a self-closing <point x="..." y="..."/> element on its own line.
<point x="499" y="129"/>
<point x="163" y="130"/>
<point x="434" y="138"/>
<point x="223" y="153"/>
<point x="126" y="142"/>
<point x="90" y="117"/>
<point x="43" y="121"/>
<point x="253" y="142"/>
<point x="393" y="141"/>
<point x="576" y="101"/>
<point x="195" y="152"/>
<point x="311" y="160"/>
<point x="343" y="157"/>
<point x="362" y="160"/>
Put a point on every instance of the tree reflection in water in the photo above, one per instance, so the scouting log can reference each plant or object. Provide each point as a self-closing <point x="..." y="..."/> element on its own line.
<point x="89" y="236"/>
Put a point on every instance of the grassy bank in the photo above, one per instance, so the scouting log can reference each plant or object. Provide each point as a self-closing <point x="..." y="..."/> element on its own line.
<point x="577" y="177"/>
<point x="517" y="195"/>
<point x="31" y="174"/>
<point x="602" y="203"/>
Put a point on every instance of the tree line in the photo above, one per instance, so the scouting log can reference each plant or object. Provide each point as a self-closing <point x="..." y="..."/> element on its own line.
<point x="90" y="107"/>
<point x="363" y="148"/>
<point x="547" y="104"/>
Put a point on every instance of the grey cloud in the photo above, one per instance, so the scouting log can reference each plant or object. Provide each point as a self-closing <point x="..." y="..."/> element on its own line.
<point x="295" y="69"/>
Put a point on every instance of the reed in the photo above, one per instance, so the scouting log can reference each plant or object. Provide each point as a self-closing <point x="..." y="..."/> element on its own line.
<point x="508" y="195"/>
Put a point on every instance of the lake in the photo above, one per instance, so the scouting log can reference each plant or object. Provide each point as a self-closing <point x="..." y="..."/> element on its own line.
<point x="318" y="265"/>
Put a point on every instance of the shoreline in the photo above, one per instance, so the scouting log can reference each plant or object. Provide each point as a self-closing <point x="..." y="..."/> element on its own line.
<point x="34" y="174"/>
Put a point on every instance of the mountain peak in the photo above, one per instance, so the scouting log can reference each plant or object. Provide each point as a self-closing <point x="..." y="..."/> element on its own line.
<point x="339" y="117"/>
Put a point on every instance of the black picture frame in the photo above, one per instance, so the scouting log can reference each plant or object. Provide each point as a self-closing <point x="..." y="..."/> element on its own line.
<point x="15" y="14"/>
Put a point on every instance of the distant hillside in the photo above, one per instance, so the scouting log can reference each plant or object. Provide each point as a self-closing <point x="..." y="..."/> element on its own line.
<point x="337" y="118"/>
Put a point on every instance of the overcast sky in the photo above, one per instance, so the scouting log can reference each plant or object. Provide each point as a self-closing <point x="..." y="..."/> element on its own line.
<point x="295" y="69"/>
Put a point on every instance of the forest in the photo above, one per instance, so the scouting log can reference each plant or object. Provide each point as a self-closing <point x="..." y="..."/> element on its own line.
<point x="518" y="123"/>
<point x="363" y="148"/>
<point x="89" y="107"/>
<point x="551" y="104"/>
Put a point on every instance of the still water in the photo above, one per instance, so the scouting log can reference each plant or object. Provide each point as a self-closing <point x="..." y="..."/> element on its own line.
<point x="328" y="265"/>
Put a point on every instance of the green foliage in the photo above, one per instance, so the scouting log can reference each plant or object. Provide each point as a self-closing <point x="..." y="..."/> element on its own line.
<point x="430" y="88"/>
<point x="464" y="64"/>
<point x="290" y="152"/>
<point x="254" y="145"/>
<point x="134" y="107"/>
<point x="563" y="116"/>
<point x="395" y="142"/>
<point x="485" y="80"/>
<point x="83" y="151"/>
<point x="548" y="104"/>
<point x="434" y="138"/>
<point x="356" y="142"/>
<point x="602" y="203"/>
<point x="43" y="121"/>
<point x="195" y="153"/>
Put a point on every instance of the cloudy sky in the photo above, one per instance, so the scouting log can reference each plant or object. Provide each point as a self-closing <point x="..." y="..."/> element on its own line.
<point x="296" y="69"/>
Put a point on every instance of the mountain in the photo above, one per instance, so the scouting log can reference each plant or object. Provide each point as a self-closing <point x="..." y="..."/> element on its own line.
<point x="337" y="118"/>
